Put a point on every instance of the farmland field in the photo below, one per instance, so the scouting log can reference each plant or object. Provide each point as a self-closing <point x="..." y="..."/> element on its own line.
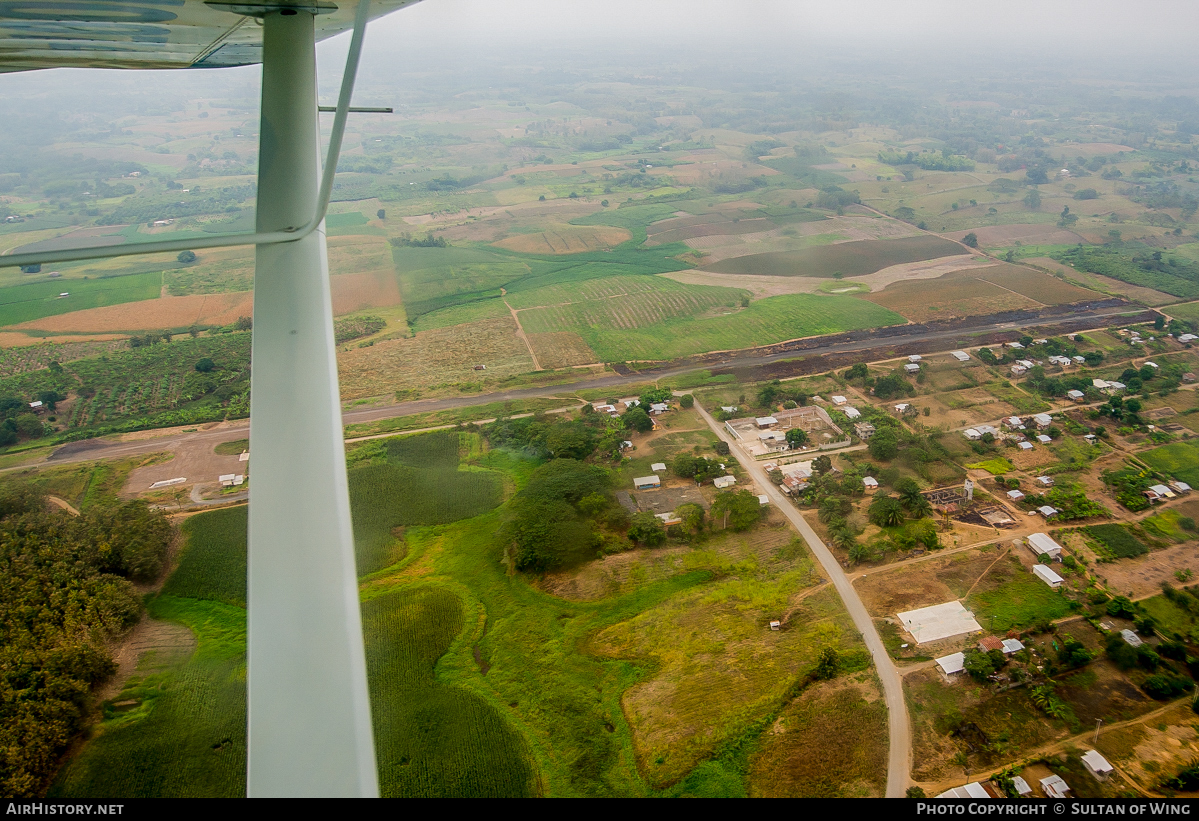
<point x="846" y="258"/>
<point x="36" y="300"/>
<point x="948" y="296"/>
<point x="662" y="324"/>
<point x="1188" y="311"/>
<point x="157" y="384"/>
<point x="1179" y="460"/>
<point x="213" y="566"/>
<point x="432" y="739"/>
<point x="1116" y="541"/>
<point x="566" y="239"/>
<point x="413" y="480"/>
<point x="1020" y="601"/>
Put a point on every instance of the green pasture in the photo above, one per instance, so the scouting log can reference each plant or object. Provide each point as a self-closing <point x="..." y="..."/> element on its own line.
<point x="845" y="258"/>
<point x="1179" y="460"/>
<point x="36" y="300"/>
<point x="1021" y="601"/>
<point x="1188" y="311"/>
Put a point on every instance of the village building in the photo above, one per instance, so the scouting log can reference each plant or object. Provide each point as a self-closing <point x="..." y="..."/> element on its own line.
<point x="645" y="482"/>
<point x="870" y="484"/>
<point x="864" y="430"/>
<point x="1042" y="545"/>
<point x="1042" y="420"/>
<point x="1015" y="495"/>
<point x="1097" y="765"/>
<point x="1131" y="638"/>
<point x="1048" y="576"/>
<point x="724" y="481"/>
<point x="1054" y="787"/>
<point x="851" y="413"/>
<point x="960" y="356"/>
<point x="838" y="400"/>
<point x="912" y="367"/>
<point x="1076" y="396"/>
<point x="658" y="467"/>
<point x="1045" y="481"/>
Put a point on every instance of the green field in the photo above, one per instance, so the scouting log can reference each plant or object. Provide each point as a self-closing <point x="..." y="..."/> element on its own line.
<point x="413" y="480"/>
<point x="1116" y="541"/>
<point x="1022" y="601"/>
<point x="1188" y="311"/>
<point x="1179" y="460"/>
<point x="213" y="565"/>
<point x="845" y="258"/>
<point x="647" y="327"/>
<point x="996" y="467"/>
<point x="22" y="303"/>
<point x="433" y="740"/>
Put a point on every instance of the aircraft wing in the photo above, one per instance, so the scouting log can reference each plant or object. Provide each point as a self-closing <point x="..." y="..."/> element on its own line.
<point x="153" y="34"/>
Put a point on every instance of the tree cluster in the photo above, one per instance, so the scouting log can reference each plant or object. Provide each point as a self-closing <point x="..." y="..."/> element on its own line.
<point x="67" y="590"/>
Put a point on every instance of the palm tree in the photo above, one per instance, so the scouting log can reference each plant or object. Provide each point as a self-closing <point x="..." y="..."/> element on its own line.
<point x="886" y="511"/>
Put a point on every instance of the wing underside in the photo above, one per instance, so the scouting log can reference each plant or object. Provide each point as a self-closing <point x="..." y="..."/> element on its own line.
<point x="153" y="34"/>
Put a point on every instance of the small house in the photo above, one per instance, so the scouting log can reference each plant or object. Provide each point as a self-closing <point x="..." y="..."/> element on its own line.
<point x="1091" y="438"/>
<point x="1078" y="360"/>
<point x="1131" y="638"/>
<point x="1013" y="423"/>
<point x="1154" y="366"/>
<point x="839" y="400"/>
<point x="1179" y="487"/>
<point x="914" y="357"/>
<point x="973" y="790"/>
<point x="1097" y="765"/>
<point x="1045" y="481"/>
<point x="1076" y="396"/>
<point x="729" y="408"/>
<point x="953" y="663"/>
<point x="851" y="413"/>
<point x="1043" y="439"/>
<point x="972" y="434"/>
<point x="864" y="430"/>
<point x="37" y="406"/>
<point x="1012" y="646"/>
<point x="1016" y="346"/>
<point x="1015" y="495"/>
<point x="724" y="481"/>
<point x="912" y="367"/>
<point x="775" y="625"/>
<point x="633" y="403"/>
<point x="1158" y="493"/>
<point x="1055" y="787"/>
<point x="960" y="356"/>
<point x="766" y="421"/>
<point x="658" y="467"/>
<point x="1042" y="545"/>
<point x="1185" y="338"/>
<point x="763" y="500"/>
<point x="646" y="482"/>
<point x="1047" y="511"/>
<point x="658" y="407"/>
<point x="1024" y="445"/>
<point x="626" y="445"/>
<point x="870" y="484"/>
<point x="989" y="643"/>
<point x="1042" y="420"/>
<point x="1022" y="788"/>
<point x="902" y="407"/>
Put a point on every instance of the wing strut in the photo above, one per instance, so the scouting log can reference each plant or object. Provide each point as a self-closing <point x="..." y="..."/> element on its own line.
<point x="309" y="711"/>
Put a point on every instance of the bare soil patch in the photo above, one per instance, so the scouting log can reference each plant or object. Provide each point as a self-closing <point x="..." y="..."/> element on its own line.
<point x="150" y="314"/>
<point x="949" y="296"/>
<point x="1004" y="235"/>
<point x="1143" y="576"/>
<point x="193" y="459"/>
<point x="923" y="583"/>
<point x="1137" y="293"/>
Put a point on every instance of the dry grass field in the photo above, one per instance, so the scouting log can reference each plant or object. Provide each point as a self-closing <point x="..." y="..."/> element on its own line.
<point x="561" y="350"/>
<point x="150" y="315"/>
<point x="1002" y="236"/>
<point x="566" y="239"/>
<point x="1107" y="285"/>
<point x="947" y="297"/>
<point x="435" y="357"/>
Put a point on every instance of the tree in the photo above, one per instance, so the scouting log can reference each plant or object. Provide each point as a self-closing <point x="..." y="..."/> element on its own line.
<point x="796" y="438"/>
<point x="647" y="529"/>
<point x="979" y="664"/>
<point x="722" y="448"/>
<point x="1032" y="200"/>
<point x="822" y="464"/>
<point x="916" y="792"/>
<point x="637" y="419"/>
<point x="381" y="214"/>
<point x="741" y="507"/>
<point x="833" y="507"/>
<point x="970" y="240"/>
<point x="687" y="401"/>
<point x="909" y="492"/>
<point x="186" y="257"/>
<point x="884" y="445"/>
<point x="828" y="664"/>
<point x="692" y="516"/>
<point x="886" y="511"/>
<point x="1066" y="219"/>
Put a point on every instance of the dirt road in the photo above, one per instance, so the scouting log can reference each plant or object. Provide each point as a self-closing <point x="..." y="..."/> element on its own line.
<point x="900" y="730"/>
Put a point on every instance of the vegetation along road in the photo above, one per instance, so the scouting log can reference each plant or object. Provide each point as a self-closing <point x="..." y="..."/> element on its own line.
<point x="900" y="731"/>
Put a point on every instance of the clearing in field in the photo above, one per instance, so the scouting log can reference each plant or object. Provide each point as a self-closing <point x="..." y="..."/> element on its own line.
<point x="846" y="258"/>
<point x="1179" y="460"/>
<point x="566" y="239"/>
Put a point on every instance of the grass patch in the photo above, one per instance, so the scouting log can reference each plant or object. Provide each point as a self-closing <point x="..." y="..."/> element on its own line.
<point x="234" y="448"/>
<point x="1022" y="601"/>
<point x="453" y="416"/>
<point x="996" y="467"/>
<point x="1179" y="460"/>
<point x="1024" y="403"/>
